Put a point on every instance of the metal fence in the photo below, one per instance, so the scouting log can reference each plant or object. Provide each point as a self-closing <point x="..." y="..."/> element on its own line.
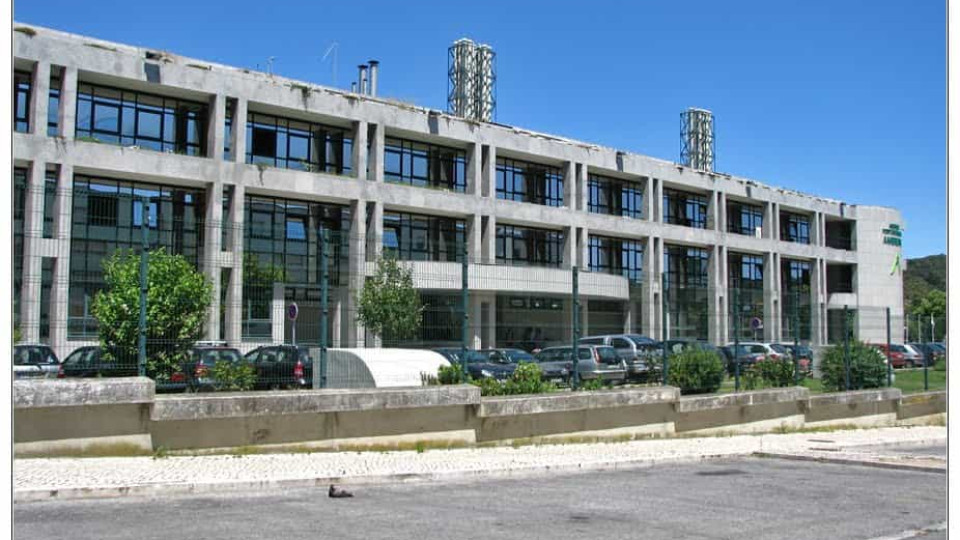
<point x="287" y="289"/>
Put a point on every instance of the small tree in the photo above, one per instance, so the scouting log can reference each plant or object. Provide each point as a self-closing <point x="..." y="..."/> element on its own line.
<point x="178" y="297"/>
<point x="389" y="305"/>
<point x="868" y="368"/>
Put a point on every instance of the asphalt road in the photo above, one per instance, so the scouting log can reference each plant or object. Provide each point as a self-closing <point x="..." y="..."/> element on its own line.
<point x="730" y="499"/>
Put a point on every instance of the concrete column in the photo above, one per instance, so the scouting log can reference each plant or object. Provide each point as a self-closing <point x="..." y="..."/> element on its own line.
<point x="770" y="295"/>
<point x="816" y="292"/>
<point x="570" y="185"/>
<point x="215" y="126"/>
<point x="474" y="233"/>
<point x="583" y="249"/>
<point x="649" y="297"/>
<point x="569" y="247"/>
<point x="360" y="157"/>
<point x="67" y="115"/>
<point x="474" y="330"/>
<point x="489" y="240"/>
<point x="239" y="132"/>
<point x="59" y="294"/>
<point x="39" y="99"/>
<point x="277" y="315"/>
<point x="583" y="188"/>
<point x="351" y="331"/>
<point x="336" y="319"/>
<point x="725" y="296"/>
<point x="474" y="168"/>
<point x="374" y="232"/>
<point x="658" y="200"/>
<point x="713" y="212"/>
<point x="489" y="173"/>
<point x="211" y="250"/>
<point x="715" y="296"/>
<point x="488" y="331"/>
<point x="375" y="157"/>
<point x="234" y="311"/>
<point x="32" y="254"/>
<point x="721" y="211"/>
<point x="776" y="221"/>
<point x="649" y="199"/>
<point x="769" y="230"/>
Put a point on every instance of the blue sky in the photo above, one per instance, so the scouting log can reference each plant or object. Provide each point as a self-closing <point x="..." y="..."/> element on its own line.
<point x="843" y="99"/>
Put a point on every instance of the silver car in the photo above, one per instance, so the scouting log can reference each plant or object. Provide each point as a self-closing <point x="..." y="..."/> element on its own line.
<point x="35" y="360"/>
<point x="594" y="362"/>
<point x="631" y="348"/>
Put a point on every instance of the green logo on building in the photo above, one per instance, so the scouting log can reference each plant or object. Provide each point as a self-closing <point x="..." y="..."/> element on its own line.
<point x="893" y="235"/>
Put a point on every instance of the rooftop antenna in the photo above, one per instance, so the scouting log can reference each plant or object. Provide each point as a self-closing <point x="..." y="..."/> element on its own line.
<point x="334" y="47"/>
<point x="270" y="64"/>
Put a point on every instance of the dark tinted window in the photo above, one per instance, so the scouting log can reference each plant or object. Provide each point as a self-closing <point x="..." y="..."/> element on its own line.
<point x="607" y="354"/>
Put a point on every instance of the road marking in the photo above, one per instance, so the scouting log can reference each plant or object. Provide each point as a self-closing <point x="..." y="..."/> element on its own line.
<point x="914" y="533"/>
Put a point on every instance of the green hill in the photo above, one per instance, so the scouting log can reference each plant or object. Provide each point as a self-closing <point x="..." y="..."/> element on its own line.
<point x="921" y="276"/>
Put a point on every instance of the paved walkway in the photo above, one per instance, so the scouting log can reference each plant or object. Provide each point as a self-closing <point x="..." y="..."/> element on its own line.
<point x="41" y="478"/>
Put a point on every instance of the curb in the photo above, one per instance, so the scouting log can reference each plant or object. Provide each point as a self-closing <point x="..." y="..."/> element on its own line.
<point x="153" y="490"/>
<point x="852" y="461"/>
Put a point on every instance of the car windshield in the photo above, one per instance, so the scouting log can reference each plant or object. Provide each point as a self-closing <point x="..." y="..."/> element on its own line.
<point x="607" y="354"/>
<point x="210" y="357"/>
<point x="898" y="348"/>
<point x="779" y="348"/>
<point x="516" y="355"/>
<point x="27" y="355"/>
<point x="640" y="340"/>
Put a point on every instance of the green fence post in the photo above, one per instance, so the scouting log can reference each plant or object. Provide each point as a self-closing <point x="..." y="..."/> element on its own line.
<point x="926" y="375"/>
<point x="320" y="372"/>
<point x="142" y="327"/>
<point x="464" y="301"/>
<point x="736" y="339"/>
<point x="663" y="330"/>
<point x="889" y="363"/>
<point x="846" y="346"/>
<point x="575" y="376"/>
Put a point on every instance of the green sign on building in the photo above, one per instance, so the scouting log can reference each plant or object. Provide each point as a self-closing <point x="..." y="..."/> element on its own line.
<point x="893" y="235"/>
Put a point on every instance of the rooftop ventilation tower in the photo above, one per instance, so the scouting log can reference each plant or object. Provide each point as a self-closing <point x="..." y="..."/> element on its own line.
<point x="472" y="80"/>
<point x="696" y="139"/>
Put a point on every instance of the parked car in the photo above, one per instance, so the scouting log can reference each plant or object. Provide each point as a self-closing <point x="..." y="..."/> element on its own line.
<point x="282" y="366"/>
<point x="675" y="346"/>
<point x="203" y="357"/>
<point x="803" y="354"/>
<point x="900" y="356"/>
<point x="34" y="360"/>
<point x="593" y="362"/>
<point x="490" y="364"/>
<point x="931" y="352"/>
<point x="746" y="355"/>
<point x="633" y="349"/>
<point x="90" y="361"/>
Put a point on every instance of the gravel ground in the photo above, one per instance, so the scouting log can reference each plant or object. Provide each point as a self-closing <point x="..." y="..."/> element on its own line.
<point x="41" y="478"/>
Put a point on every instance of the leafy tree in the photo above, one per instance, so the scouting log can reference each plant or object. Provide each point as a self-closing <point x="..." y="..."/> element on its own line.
<point x="178" y="297"/>
<point x="934" y="303"/>
<point x="868" y="368"/>
<point x="389" y="305"/>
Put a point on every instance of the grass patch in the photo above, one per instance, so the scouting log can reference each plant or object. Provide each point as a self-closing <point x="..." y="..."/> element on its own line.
<point x="91" y="451"/>
<point x="910" y="381"/>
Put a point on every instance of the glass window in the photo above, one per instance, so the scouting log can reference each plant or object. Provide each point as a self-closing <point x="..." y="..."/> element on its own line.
<point x="529" y="246"/>
<point x="53" y="106"/>
<point x="794" y="228"/>
<point x="149" y="121"/>
<point x="744" y="219"/>
<point x="614" y="197"/>
<point x="414" y="237"/>
<point x="746" y="295"/>
<point x="295" y="144"/>
<point x="424" y="165"/>
<point x="22" y="85"/>
<point x="796" y="311"/>
<point x="529" y="182"/>
<point x="683" y="208"/>
<point x="686" y="291"/>
<point x="616" y="256"/>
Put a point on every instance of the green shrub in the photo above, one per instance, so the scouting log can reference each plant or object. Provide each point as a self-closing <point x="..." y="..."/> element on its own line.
<point x="233" y="375"/>
<point x="451" y="374"/>
<point x="695" y="371"/>
<point x="489" y="386"/>
<point x="769" y="373"/>
<point x="593" y="384"/>
<point x="527" y="379"/>
<point x="867" y="368"/>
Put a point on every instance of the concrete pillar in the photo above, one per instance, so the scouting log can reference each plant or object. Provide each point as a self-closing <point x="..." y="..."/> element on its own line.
<point x="649" y="199"/>
<point x="474" y="329"/>
<point x="715" y="278"/>
<point x="374" y="232"/>
<point x="67" y="115"/>
<point x="39" y="99"/>
<point x="211" y="250"/>
<point x="239" y="132"/>
<point x="769" y="231"/>
<point x="721" y="211"/>
<point x="474" y="232"/>
<point x="375" y="157"/>
<point x="776" y="221"/>
<point x="234" y="311"/>
<point x="725" y="296"/>
<point x="351" y="331"/>
<point x="583" y="249"/>
<point x="583" y="188"/>
<point x="770" y="295"/>
<point x="488" y="322"/>
<point x="489" y="172"/>
<point x="359" y="158"/>
<point x="570" y="185"/>
<point x="277" y="314"/>
<point x="336" y="319"/>
<point x="657" y="201"/>
<point x="474" y="168"/>
<point x="59" y="294"/>
<point x="32" y="254"/>
<point x="648" y="295"/>
<point x="489" y="240"/>
<point x="816" y="293"/>
<point x="713" y="211"/>
<point x="569" y="247"/>
<point x="215" y="126"/>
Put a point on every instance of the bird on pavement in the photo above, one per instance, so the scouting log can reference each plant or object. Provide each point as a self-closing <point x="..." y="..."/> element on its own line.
<point x="338" y="493"/>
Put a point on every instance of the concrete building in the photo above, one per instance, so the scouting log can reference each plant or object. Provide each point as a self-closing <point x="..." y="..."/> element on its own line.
<point x="241" y="166"/>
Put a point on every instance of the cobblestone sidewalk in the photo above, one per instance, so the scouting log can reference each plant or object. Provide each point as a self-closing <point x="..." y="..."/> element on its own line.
<point x="39" y="479"/>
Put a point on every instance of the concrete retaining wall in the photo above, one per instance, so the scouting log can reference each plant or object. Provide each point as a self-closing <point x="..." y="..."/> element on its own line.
<point x="105" y="416"/>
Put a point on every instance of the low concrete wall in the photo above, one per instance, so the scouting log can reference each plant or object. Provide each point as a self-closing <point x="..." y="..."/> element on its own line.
<point x="83" y="415"/>
<point x="745" y="412"/>
<point x="265" y="418"/>
<point x="922" y="407"/>
<point x="120" y="416"/>
<point x="610" y="413"/>
<point x="862" y="408"/>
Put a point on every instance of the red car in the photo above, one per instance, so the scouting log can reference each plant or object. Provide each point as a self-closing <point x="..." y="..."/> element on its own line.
<point x="899" y="355"/>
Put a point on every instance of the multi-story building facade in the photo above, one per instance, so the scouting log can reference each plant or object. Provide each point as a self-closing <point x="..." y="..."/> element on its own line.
<point x="238" y="168"/>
